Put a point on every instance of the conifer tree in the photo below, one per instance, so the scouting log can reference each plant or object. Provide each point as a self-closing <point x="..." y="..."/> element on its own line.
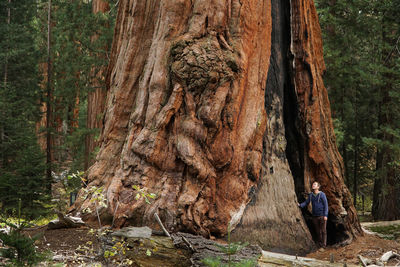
<point x="22" y="163"/>
<point x="75" y="60"/>
<point x="361" y="53"/>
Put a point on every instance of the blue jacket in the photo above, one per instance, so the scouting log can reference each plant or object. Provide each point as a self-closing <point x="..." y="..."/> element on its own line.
<point x="319" y="204"/>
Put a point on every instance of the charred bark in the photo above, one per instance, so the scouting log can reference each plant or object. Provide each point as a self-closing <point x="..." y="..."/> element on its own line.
<point x="322" y="161"/>
<point x="273" y="219"/>
<point x="196" y="113"/>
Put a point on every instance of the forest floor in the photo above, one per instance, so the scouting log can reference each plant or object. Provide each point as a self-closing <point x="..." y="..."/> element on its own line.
<point x="71" y="246"/>
<point x="78" y="246"/>
<point x="372" y="245"/>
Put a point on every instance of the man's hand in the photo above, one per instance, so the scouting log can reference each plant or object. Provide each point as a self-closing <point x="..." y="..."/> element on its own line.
<point x="325" y="218"/>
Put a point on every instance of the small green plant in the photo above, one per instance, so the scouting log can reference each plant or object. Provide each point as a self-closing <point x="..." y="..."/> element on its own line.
<point x="231" y="249"/>
<point x="97" y="197"/>
<point x="116" y="254"/>
<point x="75" y="180"/>
<point x="142" y="193"/>
<point x="212" y="261"/>
<point x="19" y="249"/>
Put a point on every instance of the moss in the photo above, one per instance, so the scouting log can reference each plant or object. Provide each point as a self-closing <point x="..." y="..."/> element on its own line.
<point x="390" y="231"/>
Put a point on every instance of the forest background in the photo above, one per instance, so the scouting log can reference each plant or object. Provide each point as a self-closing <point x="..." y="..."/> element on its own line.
<point x="53" y="54"/>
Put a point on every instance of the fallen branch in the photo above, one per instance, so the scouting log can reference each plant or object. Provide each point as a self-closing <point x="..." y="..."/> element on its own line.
<point x="188" y="244"/>
<point x="65" y="221"/>
<point x="379" y="262"/>
<point x="388" y="255"/>
<point x="115" y="211"/>
<point x="162" y="226"/>
<point x="364" y="261"/>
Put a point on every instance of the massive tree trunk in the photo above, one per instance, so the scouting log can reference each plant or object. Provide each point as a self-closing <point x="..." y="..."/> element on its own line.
<point x="219" y="108"/>
<point x="97" y="97"/>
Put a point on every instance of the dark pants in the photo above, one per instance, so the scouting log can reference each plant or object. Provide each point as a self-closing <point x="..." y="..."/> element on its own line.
<point x="320" y="229"/>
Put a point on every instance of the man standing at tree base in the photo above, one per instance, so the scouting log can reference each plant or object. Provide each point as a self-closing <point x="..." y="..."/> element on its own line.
<point x="319" y="212"/>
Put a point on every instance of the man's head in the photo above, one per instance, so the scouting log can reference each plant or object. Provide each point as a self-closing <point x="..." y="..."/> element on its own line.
<point x="315" y="186"/>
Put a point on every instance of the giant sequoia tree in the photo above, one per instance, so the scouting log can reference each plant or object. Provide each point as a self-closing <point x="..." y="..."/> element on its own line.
<point x="219" y="108"/>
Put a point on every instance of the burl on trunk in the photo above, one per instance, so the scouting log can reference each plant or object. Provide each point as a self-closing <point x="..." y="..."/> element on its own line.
<point x="218" y="107"/>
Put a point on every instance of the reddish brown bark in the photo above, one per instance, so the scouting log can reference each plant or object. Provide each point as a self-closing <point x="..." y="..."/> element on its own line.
<point x="96" y="98"/>
<point x="192" y="116"/>
<point x="322" y="161"/>
<point x="41" y="124"/>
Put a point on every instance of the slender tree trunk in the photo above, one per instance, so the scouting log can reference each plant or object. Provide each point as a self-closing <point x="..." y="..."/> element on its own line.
<point x="6" y="59"/>
<point x="48" y="103"/>
<point x="220" y="110"/>
<point x="96" y="98"/>
<point x="344" y="144"/>
<point x="2" y="134"/>
<point x="355" y="170"/>
<point x="378" y="165"/>
<point x="356" y="149"/>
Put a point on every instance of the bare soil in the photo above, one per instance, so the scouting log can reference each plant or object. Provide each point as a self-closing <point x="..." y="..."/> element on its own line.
<point x="368" y="246"/>
<point x="72" y="246"/>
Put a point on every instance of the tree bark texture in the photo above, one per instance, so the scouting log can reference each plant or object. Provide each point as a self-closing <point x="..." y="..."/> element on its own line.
<point x="322" y="160"/>
<point x="97" y="97"/>
<point x="218" y="107"/>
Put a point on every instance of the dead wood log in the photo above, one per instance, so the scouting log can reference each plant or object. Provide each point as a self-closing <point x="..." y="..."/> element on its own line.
<point x="181" y="249"/>
<point x="65" y="221"/>
<point x="388" y="255"/>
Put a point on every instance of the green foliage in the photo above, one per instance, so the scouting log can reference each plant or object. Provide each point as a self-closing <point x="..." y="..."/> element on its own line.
<point x="231" y="249"/>
<point x="142" y="193"/>
<point x="116" y="254"/>
<point x="21" y="161"/>
<point x="77" y="56"/>
<point x="391" y="232"/>
<point x="97" y="198"/>
<point x="75" y="181"/>
<point x="216" y="262"/>
<point x="361" y="53"/>
<point x="212" y="262"/>
<point x="19" y="249"/>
